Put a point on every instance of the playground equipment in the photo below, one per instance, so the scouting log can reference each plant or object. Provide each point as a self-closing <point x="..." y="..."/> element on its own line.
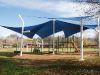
<point x="62" y="45"/>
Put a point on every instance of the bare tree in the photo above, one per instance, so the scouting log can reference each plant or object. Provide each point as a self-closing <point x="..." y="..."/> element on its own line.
<point x="94" y="9"/>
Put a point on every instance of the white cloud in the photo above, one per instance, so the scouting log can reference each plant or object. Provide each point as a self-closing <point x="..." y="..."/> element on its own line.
<point x="5" y="32"/>
<point x="60" y="7"/>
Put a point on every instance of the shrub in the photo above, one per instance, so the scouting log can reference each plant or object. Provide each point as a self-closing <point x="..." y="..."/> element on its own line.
<point x="16" y="52"/>
<point x="36" y="51"/>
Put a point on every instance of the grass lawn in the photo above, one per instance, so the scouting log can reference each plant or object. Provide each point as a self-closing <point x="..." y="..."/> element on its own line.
<point x="9" y="66"/>
<point x="46" y="49"/>
<point x="12" y="66"/>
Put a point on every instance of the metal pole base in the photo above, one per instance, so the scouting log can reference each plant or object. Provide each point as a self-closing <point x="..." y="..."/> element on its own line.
<point x="53" y="53"/>
<point x="81" y="59"/>
<point x="21" y="53"/>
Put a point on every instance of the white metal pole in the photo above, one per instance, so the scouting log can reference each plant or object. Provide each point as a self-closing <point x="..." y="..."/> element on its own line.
<point x="81" y="47"/>
<point x="53" y="36"/>
<point x="21" y="34"/>
<point x="99" y="34"/>
<point x="17" y="44"/>
<point x="42" y="46"/>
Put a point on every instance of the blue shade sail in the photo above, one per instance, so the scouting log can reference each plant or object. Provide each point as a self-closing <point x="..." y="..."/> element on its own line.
<point x="91" y="26"/>
<point x="68" y="28"/>
<point x="29" y="28"/>
<point x="46" y="29"/>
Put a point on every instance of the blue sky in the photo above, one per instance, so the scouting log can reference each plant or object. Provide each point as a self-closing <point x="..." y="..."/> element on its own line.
<point x="9" y="10"/>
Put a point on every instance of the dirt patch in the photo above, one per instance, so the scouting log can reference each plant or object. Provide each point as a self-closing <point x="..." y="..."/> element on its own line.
<point x="56" y="56"/>
<point x="46" y="57"/>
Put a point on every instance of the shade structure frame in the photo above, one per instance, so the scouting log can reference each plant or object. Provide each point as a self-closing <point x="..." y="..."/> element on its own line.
<point x="68" y="28"/>
<point x="99" y="35"/>
<point x="65" y="25"/>
<point x="81" y="42"/>
<point x="22" y="31"/>
<point x="53" y="36"/>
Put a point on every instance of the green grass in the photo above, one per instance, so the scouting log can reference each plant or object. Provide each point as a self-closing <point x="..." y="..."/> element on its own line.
<point x="46" y="49"/>
<point x="9" y="66"/>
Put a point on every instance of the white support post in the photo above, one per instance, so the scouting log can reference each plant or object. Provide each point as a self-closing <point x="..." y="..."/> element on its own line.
<point x="81" y="47"/>
<point x="21" y="34"/>
<point x="99" y="35"/>
<point x="42" y="46"/>
<point x="17" y="44"/>
<point x="53" y="36"/>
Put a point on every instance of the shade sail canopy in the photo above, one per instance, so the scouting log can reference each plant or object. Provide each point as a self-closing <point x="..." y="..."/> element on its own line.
<point x="18" y="29"/>
<point x="46" y="29"/>
<point x="68" y="28"/>
<point x="91" y="26"/>
<point x="32" y="29"/>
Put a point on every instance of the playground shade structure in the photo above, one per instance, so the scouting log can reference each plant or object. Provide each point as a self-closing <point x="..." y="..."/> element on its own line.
<point x="46" y="29"/>
<point x="67" y="28"/>
<point x="91" y="26"/>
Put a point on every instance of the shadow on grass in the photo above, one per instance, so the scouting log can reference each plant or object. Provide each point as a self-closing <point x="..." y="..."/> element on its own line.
<point x="7" y="54"/>
<point x="51" y="67"/>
